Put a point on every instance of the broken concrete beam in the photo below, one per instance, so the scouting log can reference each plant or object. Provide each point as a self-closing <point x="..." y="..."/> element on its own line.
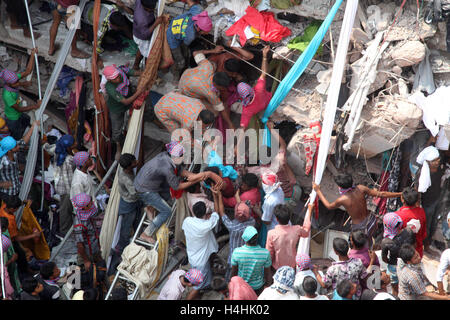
<point x="313" y="9"/>
<point x="407" y="28"/>
<point x="408" y="53"/>
<point x="385" y="124"/>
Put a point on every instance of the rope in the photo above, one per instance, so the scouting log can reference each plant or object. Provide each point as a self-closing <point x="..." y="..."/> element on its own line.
<point x="393" y="23"/>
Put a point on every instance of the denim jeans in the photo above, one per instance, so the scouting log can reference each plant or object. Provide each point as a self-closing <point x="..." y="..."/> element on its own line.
<point x="155" y="200"/>
<point x="130" y="212"/>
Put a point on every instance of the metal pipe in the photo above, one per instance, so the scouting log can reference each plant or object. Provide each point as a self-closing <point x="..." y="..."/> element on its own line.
<point x="107" y="175"/>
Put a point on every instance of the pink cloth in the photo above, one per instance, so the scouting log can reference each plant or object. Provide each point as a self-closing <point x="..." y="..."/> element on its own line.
<point x="240" y="290"/>
<point x="203" y="21"/>
<point x="363" y="254"/>
<point x="9" y="290"/>
<point x="253" y="195"/>
<point x="259" y="103"/>
<point x="282" y="244"/>
<point x="110" y="72"/>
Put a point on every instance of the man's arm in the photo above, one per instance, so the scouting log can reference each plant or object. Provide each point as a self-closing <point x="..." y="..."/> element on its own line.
<point x="26" y="109"/>
<point x="127" y="101"/>
<point x="217" y="49"/>
<point x="436" y="296"/>
<point x="318" y="276"/>
<point x="26" y="138"/>
<point x="330" y="206"/>
<point x="30" y="64"/>
<point x="265" y="65"/>
<point x="122" y="6"/>
<point x="36" y="234"/>
<point x="12" y="260"/>
<point x="379" y="194"/>
<point x="82" y="253"/>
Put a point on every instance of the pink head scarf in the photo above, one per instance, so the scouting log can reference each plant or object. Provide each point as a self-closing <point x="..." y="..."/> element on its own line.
<point x="240" y="290"/>
<point x="203" y="21"/>
<point x="110" y="72"/>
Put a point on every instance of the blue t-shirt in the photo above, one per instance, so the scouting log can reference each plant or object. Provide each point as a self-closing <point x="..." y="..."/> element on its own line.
<point x="181" y="28"/>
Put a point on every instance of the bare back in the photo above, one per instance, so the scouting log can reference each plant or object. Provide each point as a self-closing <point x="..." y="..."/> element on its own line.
<point x="354" y="202"/>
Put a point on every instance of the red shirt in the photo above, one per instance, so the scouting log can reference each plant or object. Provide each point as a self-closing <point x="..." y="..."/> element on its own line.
<point x="259" y="103"/>
<point x="407" y="213"/>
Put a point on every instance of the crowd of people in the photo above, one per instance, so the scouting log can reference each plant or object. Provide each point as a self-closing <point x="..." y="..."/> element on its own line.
<point x="256" y="208"/>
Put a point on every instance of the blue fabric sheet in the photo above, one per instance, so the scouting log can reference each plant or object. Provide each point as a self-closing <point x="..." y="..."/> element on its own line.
<point x="297" y="69"/>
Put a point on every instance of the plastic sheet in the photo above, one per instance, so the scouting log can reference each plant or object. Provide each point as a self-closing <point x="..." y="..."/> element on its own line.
<point x="269" y="28"/>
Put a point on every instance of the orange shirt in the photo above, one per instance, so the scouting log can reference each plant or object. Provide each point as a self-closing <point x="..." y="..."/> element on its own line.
<point x="12" y="227"/>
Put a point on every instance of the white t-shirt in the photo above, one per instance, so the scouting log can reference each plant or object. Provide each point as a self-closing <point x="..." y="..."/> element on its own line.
<point x="317" y="297"/>
<point x="273" y="294"/>
<point x="173" y="289"/>
<point x="82" y="183"/>
<point x="443" y="265"/>
<point x="275" y="198"/>
<point x="200" y="239"/>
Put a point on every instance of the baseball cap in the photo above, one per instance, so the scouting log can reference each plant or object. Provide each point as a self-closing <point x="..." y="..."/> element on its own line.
<point x="249" y="233"/>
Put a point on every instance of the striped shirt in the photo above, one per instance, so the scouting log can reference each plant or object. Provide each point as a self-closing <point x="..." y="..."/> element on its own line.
<point x="9" y="171"/>
<point x="236" y="230"/>
<point x="411" y="281"/>
<point x="177" y="111"/>
<point x="251" y="262"/>
<point x="6" y="242"/>
<point x="64" y="175"/>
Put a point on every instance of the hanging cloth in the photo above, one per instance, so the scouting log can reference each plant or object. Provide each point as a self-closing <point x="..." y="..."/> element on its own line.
<point x="297" y="69"/>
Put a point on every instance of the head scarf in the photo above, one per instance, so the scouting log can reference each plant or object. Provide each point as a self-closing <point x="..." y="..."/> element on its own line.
<point x="175" y="149"/>
<point x="194" y="276"/>
<point x="414" y="225"/>
<point x="84" y="206"/>
<point x="241" y="212"/>
<point x="246" y="93"/>
<point x="283" y="280"/>
<point x="428" y="154"/>
<point x="270" y="182"/>
<point x="392" y="224"/>
<point x="80" y="158"/>
<point x="239" y="289"/>
<point x="61" y="148"/>
<point x="203" y="21"/>
<point x="8" y="143"/>
<point x="9" y="77"/>
<point x="110" y="73"/>
<point x="303" y="261"/>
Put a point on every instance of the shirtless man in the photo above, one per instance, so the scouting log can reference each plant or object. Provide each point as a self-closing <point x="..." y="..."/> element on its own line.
<point x="353" y="199"/>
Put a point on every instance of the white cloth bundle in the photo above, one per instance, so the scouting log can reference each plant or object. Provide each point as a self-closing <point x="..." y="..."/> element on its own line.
<point x="428" y="154"/>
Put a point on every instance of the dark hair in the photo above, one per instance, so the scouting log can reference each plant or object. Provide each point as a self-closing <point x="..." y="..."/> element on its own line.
<point x="344" y="287"/>
<point x="206" y="116"/>
<point x="186" y="279"/>
<point x="199" y="209"/>
<point x="282" y="213"/>
<point x="221" y="79"/>
<point x="309" y="285"/>
<point x="126" y="160"/>
<point x="340" y="246"/>
<point x="410" y="195"/>
<point x="406" y="252"/>
<point x="251" y="180"/>
<point x="232" y="65"/>
<point x="4" y="223"/>
<point x="117" y="19"/>
<point x="215" y="170"/>
<point x="149" y="4"/>
<point x="368" y="294"/>
<point x="12" y="202"/>
<point x="193" y="188"/>
<point x="253" y="241"/>
<point x="47" y="269"/>
<point x="29" y="284"/>
<point x="344" y="180"/>
<point x="119" y="293"/>
<point x="359" y="238"/>
<point x="90" y="294"/>
<point x="219" y="284"/>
